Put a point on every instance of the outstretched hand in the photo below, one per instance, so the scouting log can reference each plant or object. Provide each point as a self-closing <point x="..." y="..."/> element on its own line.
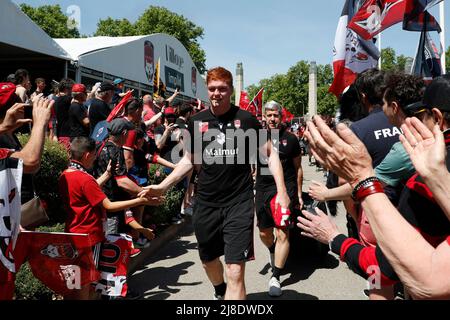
<point x="319" y="227"/>
<point x="152" y="191"/>
<point x="318" y="191"/>
<point x="14" y="118"/>
<point x="425" y="148"/>
<point x="342" y="153"/>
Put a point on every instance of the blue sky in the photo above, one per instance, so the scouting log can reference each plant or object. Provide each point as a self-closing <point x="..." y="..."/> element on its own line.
<point x="267" y="36"/>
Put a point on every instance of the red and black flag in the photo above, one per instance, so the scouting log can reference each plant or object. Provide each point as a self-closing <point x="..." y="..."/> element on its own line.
<point x="244" y="101"/>
<point x="427" y="63"/>
<point x="417" y="16"/>
<point x="376" y="16"/>
<point x="255" y="106"/>
<point x="352" y="54"/>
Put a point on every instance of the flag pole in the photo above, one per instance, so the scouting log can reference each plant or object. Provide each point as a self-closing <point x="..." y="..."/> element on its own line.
<point x="379" y="49"/>
<point x="442" y="23"/>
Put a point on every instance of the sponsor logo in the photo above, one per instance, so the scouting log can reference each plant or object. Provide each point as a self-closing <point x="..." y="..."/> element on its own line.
<point x="237" y="124"/>
<point x="149" y="60"/>
<point x="60" y="251"/>
<point x="212" y="153"/>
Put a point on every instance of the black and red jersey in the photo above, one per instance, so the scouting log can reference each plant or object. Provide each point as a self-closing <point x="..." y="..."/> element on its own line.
<point x="224" y="146"/>
<point x="288" y="150"/>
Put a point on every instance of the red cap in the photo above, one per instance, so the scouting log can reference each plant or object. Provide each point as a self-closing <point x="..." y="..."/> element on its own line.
<point x="7" y="94"/>
<point x="169" y="111"/>
<point x="281" y="216"/>
<point x="78" y="88"/>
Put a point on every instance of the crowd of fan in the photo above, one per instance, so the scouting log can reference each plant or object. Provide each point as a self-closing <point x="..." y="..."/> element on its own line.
<point x="144" y="133"/>
<point x="395" y="192"/>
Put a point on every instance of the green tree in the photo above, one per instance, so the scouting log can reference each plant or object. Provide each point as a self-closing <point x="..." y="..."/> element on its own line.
<point x="160" y="20"/>
<point x="115" y="28"/>
<point x="327" y="103"/>
<point x="388" y="59"/>
<point x="391" y="62"/>
<point x="52" y="20"/>
<point x="292" y="89"/>
<point x="447" y="59"/>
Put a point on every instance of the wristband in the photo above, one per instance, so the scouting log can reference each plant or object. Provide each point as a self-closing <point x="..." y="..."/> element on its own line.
<point x="366" y="188"/>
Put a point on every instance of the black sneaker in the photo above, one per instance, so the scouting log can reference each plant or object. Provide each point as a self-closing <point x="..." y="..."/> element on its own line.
<point x="177" y="219"/>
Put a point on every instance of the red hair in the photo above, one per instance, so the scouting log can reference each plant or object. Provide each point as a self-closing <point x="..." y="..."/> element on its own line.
<point x="220" y="74"/>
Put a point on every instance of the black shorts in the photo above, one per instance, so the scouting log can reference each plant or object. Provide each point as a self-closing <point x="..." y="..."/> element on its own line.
<point x="263" y="212"/>
<point x="225" y="231"/>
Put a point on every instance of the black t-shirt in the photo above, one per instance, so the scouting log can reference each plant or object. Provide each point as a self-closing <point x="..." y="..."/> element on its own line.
<point x="99" y="110"/>
<point x="11" y="142"/>
<point x="62" y="106"/>
<point x="115" y="153"/>
<point x="171" y="143"/>
<point x="289" y="149"/>
<point x="377" y="134"/>
<point x="77" y="113"/>
<point x="225" y="176"/>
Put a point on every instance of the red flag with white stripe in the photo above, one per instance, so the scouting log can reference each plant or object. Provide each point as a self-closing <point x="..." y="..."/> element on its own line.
<point x="376" y="16"/>
<point x="352" y="55"/>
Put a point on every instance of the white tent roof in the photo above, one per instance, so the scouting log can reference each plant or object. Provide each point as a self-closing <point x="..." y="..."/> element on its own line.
<point x="18" y="30"/>
<point x="78" y="47"/>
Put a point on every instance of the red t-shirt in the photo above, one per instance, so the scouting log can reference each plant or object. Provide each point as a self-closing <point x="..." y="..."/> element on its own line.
<point x="82" y="198"/>
<point x="448" y="240"/>
<point x="150" y="114"/>
<point x="130" y="144"/>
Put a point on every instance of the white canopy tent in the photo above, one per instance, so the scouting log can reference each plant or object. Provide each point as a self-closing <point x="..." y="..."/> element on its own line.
<point x="134" y="59"/>
<point x="23" y="44"/>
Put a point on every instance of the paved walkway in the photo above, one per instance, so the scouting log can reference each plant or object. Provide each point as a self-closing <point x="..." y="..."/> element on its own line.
<point x="175" y="272"/>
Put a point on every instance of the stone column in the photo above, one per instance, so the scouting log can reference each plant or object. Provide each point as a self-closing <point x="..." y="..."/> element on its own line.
<point x="312" y="103"/>
<point x="239" y="87"/>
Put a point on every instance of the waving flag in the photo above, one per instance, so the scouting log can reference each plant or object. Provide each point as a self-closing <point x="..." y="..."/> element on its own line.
<point x="118" y="111"/>
<point x="255" y="106"/>
<point x="244" y="101"/>
<point x="352" y="55"/>
<point x="62" y="261"/>
<point x="11" y="181"/>
<point x="376" y="16"/>
<point x="427" y="63"/>
<point x="159" y="89"/>
<point x="287" y="116"/>
<point x="417" y="17"/>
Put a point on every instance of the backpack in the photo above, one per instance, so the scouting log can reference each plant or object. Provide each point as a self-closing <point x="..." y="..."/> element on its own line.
<point x="100" y="132"/>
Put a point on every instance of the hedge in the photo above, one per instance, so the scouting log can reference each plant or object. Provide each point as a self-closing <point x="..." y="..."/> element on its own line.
<point x="55" y="160"/>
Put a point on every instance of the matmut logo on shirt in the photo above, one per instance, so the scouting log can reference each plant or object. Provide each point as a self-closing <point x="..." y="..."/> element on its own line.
<point x="212" y="153"/>
<point x="387" y="133"/>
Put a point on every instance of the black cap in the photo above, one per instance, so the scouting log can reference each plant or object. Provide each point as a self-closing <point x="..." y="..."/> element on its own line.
<point x="437" y="95"/>
<point x="106" y="86"/>
<point x="118" y="126"/>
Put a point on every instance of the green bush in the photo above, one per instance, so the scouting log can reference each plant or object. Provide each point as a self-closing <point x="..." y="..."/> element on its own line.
<point x="55" y="160"/>
<point x="27" y="286"/>
<point x="171" y="206"/>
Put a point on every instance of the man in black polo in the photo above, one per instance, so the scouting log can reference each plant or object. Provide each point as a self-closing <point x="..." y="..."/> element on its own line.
<point x="266" y="189"/>
<point x="220" y="144"/>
